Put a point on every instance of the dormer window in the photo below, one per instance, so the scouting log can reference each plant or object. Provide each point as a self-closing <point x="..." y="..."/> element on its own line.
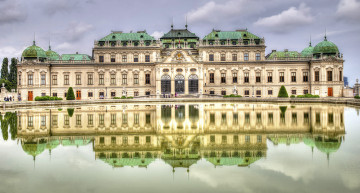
<point x="216" y="35"/>
<point x="124" y="43"/>
<point x="113" y="37"/>
<point x="136" y="43"/>
<point x="222" y="42"/>
<point x="147" y="43"/>
<point x="179" y="33"/>
<point x="141" y="36"/>
<point x="113" y="44"/>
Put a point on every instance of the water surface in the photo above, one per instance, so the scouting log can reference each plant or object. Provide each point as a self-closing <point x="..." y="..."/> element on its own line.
<point x="181" y="148"/>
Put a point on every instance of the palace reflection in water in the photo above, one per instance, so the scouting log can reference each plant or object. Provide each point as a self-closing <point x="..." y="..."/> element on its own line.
<point x="223" y="134"/>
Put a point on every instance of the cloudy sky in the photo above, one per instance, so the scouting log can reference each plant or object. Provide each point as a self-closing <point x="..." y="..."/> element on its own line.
<point x="73" y="25"/>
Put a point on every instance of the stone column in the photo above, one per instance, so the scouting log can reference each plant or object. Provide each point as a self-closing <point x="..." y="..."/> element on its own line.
<point x="186" y="81"/>
<point x="158" y="83"/>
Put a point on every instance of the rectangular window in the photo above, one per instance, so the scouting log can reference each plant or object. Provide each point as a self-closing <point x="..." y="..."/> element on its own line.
<point x="19" y="79"/>
<point x="112" y="58"/>
<point x="113" y="141"/>
<point x="258" y="92"/>
<point x="43" y="121"/>
<point x="148" y="139"/>
<point x="247" y="138"/>
<point x="113" y="79"/>
<point x="91" y="120"/>
<point x="293" y="76"/>
<point x="54" y="94"/>
<point x="148" y="118"/>
<point x="66" y="120"/>
<point x="136" y="139"/>
<point x="305" y="76"/>
<point x="270" y="92"/>
<point x="30" y="121"/>
<point x="43" y="79"/>
<point x="246" y="57"/>
<point x="246" y="92"/>
<point x="54" y="79"/>
<point x="234" y="57"/>
<point x="78" y="79"/>
<point x="259" y="139"/>
<point x="90" y="94"/>
<point x="147" y="93"/>
<point x="258" y="56"/>
<point x="212" y="78"/>
<point x="30" y="79"/>
<point x="113" y="94"/>
<point x="136" y="93"/>
<point x="340" y="76"/>
<point x="212" y="92"/>
<point x="90" y="79"/>
<point x="124" y="58"/>
<point x="211" y="57"/>
<point x="113" y="119"/>
<point x="78" y="120"/>
<point x="101" y="119"/>
<point x="147" y="78"/>
<point x="317" y="76"/>
<point x="223" y="57"/>
<point x="43" y="94"/>
<point x="136" y="118"/>
<point x="101" y="58"/>
<point x="306" y="91"/>
<point x="293" y="92"/>
<point x="246" y="77"/>
<point x="223" y="92"/>
<point x="281" y="77"/>
<point x="124" y="79"/>
<point x="136" y="79"/>
<point x="329" y="76"/>
<point x="234" y="77"/>
<point x="269" y="76"/>
<point x="258" y="77"/>
<point x="271" y="118"/>
<point x="223" y="78"/>
<point x="66" y="79"/>
<point x="101" y="79"/>
<point x="136" y="58"/>
<point x="147" y="58"/>
<point x="224" y="139"/>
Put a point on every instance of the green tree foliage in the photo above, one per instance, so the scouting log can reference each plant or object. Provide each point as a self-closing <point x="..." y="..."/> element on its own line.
<point x="5" y="69"/>
<point x="70" y="94"/>
<point x="4" y="128"/>
<point x="8" y="85"/>
<point x="70" y="112"/>
<point x="13" y="72"/>
<point x="283" y="92"/>
<point x="13" y="124"/>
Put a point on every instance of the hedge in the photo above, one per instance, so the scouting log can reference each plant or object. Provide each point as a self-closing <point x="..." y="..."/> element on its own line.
<point x="283" y="92"/>
<point x="123" y="97"/>
<point x="308" y="96"/>
<point x="70" y="94"/>
<point x="47" y="98"/>
<point x="292" y="96"/>
<point x="357" y="97"/>
<point x="232" y="95"/>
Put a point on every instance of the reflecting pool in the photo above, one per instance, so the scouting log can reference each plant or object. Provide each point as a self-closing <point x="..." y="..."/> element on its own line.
<point x="221" y="147"/>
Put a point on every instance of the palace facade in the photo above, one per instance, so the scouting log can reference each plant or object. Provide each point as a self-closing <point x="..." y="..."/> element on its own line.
<point x="221" y="63"/>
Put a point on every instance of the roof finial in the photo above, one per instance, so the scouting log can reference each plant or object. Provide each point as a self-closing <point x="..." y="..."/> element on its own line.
<point x="49" y="44"/>
<point x="172" y="23"/>
<point x="310" y="41"/>
<point x="325" y="39"/>
<point x="34" y="40"/>
<point x="186" y="25"/>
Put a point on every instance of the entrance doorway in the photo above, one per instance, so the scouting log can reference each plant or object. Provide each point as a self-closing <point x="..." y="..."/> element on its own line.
<point x="30" y="96"/>
<point x="165" y="84"/>
<point x="330" y="91"/>
<point x="78" y="95"/>
<point x="193" y="84"/>
<point x="179" y="84"/>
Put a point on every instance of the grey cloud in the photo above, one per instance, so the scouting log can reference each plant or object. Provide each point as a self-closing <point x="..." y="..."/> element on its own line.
<point x="287" y="20"/>
<point x="53" y="7"/>
<point x="11" y="12"/>
<point x="349" y="10"/>
<point x="76" y="31"/>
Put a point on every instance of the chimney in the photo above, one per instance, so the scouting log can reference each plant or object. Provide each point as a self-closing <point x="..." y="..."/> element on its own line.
<point x="272" y="51"/>
<point x="286" y="50"/>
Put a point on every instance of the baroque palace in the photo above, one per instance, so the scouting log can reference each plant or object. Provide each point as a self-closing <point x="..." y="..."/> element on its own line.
<point x="181" y="135"/>
<point x="182" y="64"/>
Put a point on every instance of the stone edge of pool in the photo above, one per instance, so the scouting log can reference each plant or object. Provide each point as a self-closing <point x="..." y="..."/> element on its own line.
<point x="345" y="101"/>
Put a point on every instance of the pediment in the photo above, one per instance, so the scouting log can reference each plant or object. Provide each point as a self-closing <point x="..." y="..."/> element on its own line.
<point x="179" y="56"/>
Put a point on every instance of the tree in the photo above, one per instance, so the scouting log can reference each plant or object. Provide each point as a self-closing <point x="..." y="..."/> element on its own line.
<point x="70" y="94"/>
<point x="5" y="69"/>
<point x="13" y="71"/>
<point x="283" y="92"/>
<point x="70" y="112"/>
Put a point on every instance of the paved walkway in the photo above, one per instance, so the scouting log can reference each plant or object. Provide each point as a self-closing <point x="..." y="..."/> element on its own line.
<point x="345" y="101"/>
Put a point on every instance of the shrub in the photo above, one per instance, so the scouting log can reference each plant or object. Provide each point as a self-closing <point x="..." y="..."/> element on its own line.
<point x="70" y="94"/>
<point x="47" y="98"/>
<point x="70" y="112"/>
<point x="308" y="96"/>
<point x="283" y="109"/>
<point x="283" y="92"/>
<point x="232" y="95"/>
<point x="130" y="97"/>
<point x="292" y="96"/>
<point x="357" y="97"/>
<point x="123" y="97"/>
<point x="116" y="98"/>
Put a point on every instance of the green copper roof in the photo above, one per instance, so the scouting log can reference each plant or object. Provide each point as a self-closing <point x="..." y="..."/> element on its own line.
<point x="119" y="36"/>
<point x="307" y="51"/>
<point x="284" y="54"/>
<point x="75" y="57"/>
<point x="34" y="52"/>
<point x="75" y="142"/>
<point x="179" y="33"/>
<point x="232" y="161"/>
<point x="52" y="55"/>
<point x="33" y="148"/>
<point x="232" y="35"/>
<point x="121" y="162"/>
<point x="326" y="47"/>
<point x="327" y="146"/>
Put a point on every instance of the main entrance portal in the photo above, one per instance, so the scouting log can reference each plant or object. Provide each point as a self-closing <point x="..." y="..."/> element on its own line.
<point x="165" y="84"/>
<point x="179" y="84"/>
<point x="193" y="84"/>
